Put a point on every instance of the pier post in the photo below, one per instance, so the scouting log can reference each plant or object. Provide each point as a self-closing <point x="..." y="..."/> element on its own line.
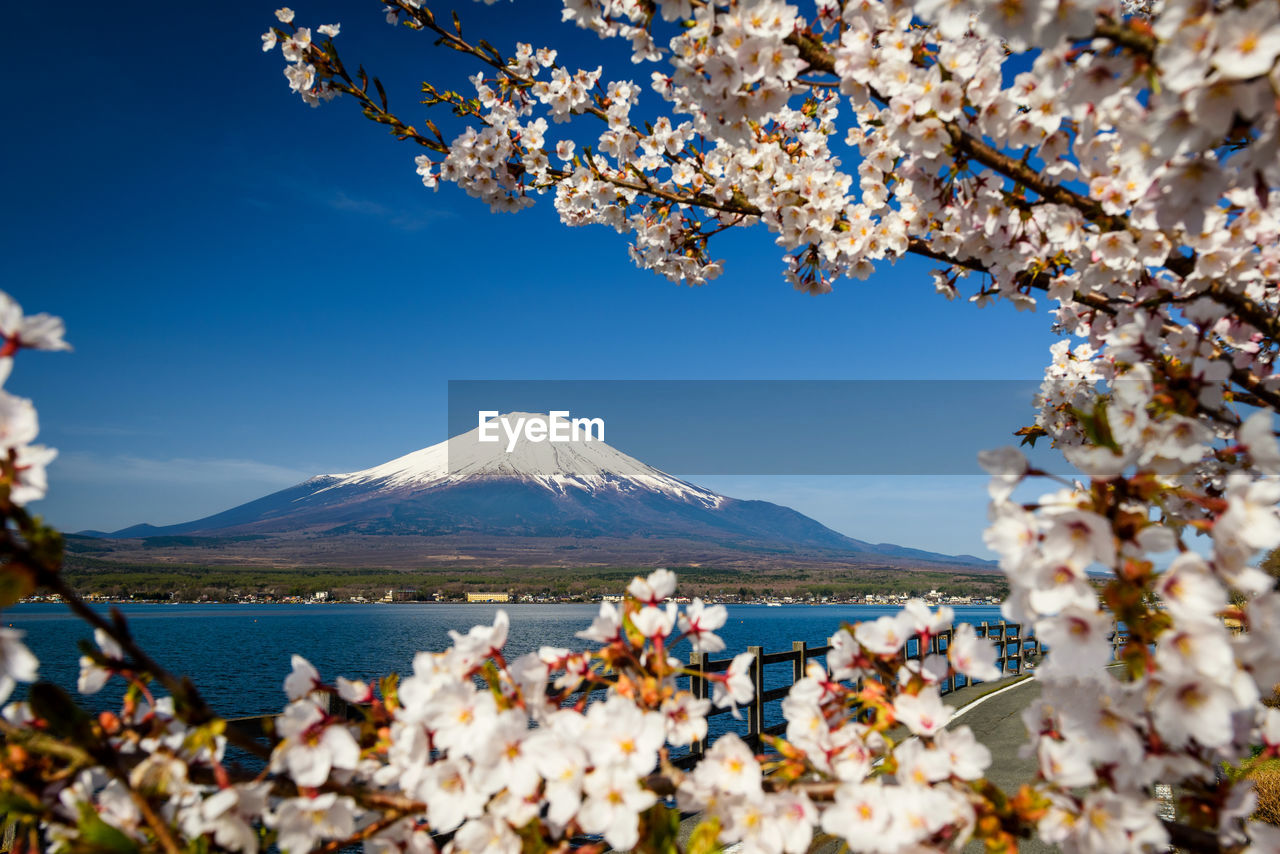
<point x="1013" y="632"/>
<point x="1001" y="649"/>
<point x="699" y="661"/>
<point x="949" y="684"/>
<point x="755" y="712"/>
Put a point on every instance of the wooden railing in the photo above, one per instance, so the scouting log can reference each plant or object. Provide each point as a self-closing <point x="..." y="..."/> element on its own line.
<point x="1015" y="655"/>
<point x="1119" y="639"/>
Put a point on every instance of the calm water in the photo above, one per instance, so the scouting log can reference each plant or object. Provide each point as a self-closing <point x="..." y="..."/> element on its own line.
<point x="239" y="655"/>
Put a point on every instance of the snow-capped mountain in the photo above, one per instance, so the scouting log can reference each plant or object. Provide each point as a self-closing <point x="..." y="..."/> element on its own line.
<point x="557" y="466"/>
<point x="531" y="501"/>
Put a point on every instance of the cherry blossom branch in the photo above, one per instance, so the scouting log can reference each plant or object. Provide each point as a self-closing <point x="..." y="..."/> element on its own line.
<point x="1134" y="34"/>
<point x="1197" y="839"/>
<point x="78" y="758"/>
<point x="815" y="53"/>
<point x="1250" y="311"/>
<point x="1134" y="37"/>
<point x="40" y="742"/>
<point x="367" y="832"/>
<point x="1256" y="315"/>
<point x="425" y="18"/>
<point x="159" y="827"/>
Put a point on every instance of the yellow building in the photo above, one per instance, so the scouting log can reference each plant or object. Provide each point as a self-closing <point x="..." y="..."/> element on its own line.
<point x="488" y="597"/>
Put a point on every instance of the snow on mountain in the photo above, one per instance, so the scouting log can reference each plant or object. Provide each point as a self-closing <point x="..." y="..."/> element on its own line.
<point x="557" y="466"/>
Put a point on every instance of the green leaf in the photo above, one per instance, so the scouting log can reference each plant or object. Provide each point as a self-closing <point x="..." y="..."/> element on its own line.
<point x="98" y="837"/>
<point x="659" y="831"/>
<point x="531" y="841"/>
<point x="1102" y="427"/>
<point x="703" y="840"/>
<point x="389" y="688"/>
<point x="1031" y="434"/>
<point x="64" y="718"/>
<point x="16" y="583"/>
<point x="13" y="805"/>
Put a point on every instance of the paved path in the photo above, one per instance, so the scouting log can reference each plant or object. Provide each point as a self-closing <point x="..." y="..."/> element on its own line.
<point x="996" y="720"/>
<point x="993" y="711"/>
<point x="995" y="716"/>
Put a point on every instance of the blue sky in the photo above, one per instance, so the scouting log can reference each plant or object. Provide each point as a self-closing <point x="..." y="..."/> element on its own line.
<point x="258" y="291"/>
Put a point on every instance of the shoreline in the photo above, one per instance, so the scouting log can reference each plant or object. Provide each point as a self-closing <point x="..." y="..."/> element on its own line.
<point x="453" y="602"/>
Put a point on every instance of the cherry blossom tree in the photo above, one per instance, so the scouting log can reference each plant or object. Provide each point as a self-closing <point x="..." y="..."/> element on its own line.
<point x="1114" y="164"/>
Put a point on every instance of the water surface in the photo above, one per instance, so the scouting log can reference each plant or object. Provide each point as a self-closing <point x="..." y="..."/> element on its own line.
<point x="238" y="655"/>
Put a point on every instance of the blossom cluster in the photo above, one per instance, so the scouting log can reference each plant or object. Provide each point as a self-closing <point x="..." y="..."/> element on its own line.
<point x="296" y="48"/>
<point x="941" y="145"/>
<point x="24" y="463"/>
<point x="1190" y="701"/>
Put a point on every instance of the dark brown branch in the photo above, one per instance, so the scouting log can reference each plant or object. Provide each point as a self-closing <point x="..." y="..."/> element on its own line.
<point x="188" y="703"/>
<point x="366" y="832"/>
<point x="1129" y="35"/>
<point x="813" y="52"/>
<point x="1195" y="839"/>
<point x="1259" y="316"/>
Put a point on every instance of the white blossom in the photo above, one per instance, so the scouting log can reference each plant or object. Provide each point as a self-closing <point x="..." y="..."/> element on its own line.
<point x="17" y="663"/>
<point x="92" y="675"/>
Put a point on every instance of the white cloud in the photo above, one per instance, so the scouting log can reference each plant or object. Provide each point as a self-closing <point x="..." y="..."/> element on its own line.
<point x="98" y="430"/>
<point x="90" y="468"/>
<point x="879" y="508"/>
<point x="109" y="492"/>
<point x="416" y="221"/>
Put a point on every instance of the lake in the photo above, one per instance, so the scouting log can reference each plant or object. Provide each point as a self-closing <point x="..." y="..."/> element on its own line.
<point x="238" y="655"/>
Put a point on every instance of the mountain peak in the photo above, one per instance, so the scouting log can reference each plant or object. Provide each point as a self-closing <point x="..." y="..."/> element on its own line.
<point x="507" y="447"/>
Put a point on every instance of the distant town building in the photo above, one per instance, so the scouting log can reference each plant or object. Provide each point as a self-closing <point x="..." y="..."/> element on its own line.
<point x="488" y="597"/>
